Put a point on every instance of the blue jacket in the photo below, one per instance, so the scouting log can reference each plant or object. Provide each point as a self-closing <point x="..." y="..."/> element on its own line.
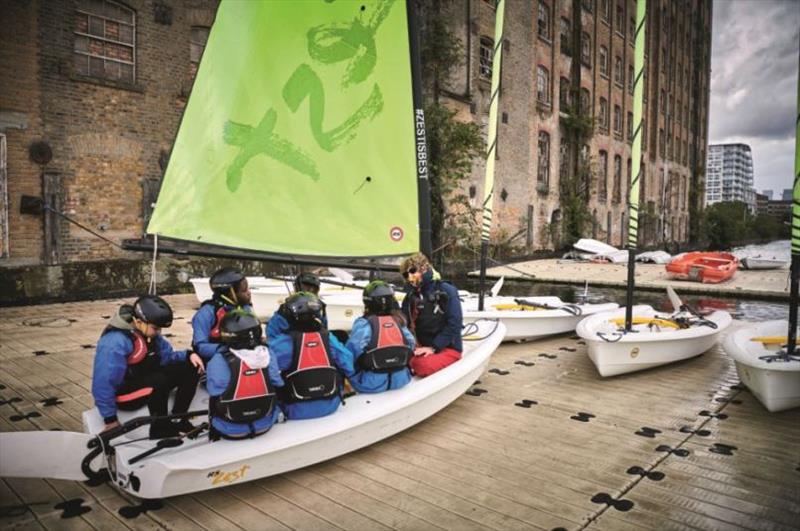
<point x="278" y="325"/>
<point x="450" y="334"/>
<point x="111" y="364"/>
<point x="374" y="382"/>
<point x="218" y="377"/>
<point x="202" y="322"/>
<point x="281" y="350"/>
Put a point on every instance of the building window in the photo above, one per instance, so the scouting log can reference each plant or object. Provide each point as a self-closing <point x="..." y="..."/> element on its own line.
<point x="586" y="101"/>
<point x="605" y="10"/>
<point x="543" y="173"/>
<point x="663" y="102"/>
<point x="603" y="61"/>
<point x="563" y="92"/>
<point x="617" y="191"/>
<point x="619" y="24"/>
<point x="629" y="176"/>
<point x="544" y="21"/>
<point x="630" y="79"/>
<point x="586" y="49"/>
<point x="685" y="153"/>
<point x="563" y="157"/>
<point x="604" y="114"/>
<point x="618" y="76"/>
<point x="679" y="111"/>
<point x="630" y="126"/>
<point x="632" y="30"/>
<point x="565" y="33"/>
<point x="662" y="148"/>
<point x="105" y="40"/>
<point x="602" y="178"/>
<point x="664" y="59"/>
<point x="197" y="43"/>
<point x="587" y="5"/>
<point x="543" y="85"/>
<point x="486" y="57"/>
<point x="617" y="120"/>
<point x="643" y="132"/>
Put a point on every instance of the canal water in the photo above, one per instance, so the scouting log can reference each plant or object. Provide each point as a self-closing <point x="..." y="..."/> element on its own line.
<point x="739" y="308"/>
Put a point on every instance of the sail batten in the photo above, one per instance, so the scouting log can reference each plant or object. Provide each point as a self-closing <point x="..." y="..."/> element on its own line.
<point x="299" y="135"/>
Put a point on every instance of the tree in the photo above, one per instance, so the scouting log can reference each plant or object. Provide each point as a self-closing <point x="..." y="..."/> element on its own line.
<point x="726" y="223"/>
<point x="452" y="145"/>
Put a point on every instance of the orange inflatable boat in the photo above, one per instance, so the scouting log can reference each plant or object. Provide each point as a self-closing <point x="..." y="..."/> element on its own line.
<point x="707" y="267"/>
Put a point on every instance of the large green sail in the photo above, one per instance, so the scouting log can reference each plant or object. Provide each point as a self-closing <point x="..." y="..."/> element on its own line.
<point x="298" y="136"/>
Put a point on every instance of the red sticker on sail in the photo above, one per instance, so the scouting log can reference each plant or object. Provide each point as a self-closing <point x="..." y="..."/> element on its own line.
<point x="396" y="234"/>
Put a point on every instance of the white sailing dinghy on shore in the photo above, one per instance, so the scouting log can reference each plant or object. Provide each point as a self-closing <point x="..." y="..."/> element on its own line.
<point x="767" y="355"/>
<point x="157" y="469"/>
<point x="257" y="167"/>
<point x="637" y="337"/>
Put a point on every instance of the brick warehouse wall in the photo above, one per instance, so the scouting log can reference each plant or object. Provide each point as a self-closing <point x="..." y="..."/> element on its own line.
<point x="677" y="30"/>
<point x="108" y="138"/>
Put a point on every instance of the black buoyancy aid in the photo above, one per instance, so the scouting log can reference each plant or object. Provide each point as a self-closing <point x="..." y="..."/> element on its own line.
<point x="311" y="375"/>
<point x="219" y="313"/>
<point x="145" y="355"/>
<point x="248" y="397"/>
<point x="431" y="317"/>
<point x="387" y="350"/>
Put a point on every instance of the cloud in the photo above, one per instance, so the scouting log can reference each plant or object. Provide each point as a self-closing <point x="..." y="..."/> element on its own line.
<point x="754" y="65"/>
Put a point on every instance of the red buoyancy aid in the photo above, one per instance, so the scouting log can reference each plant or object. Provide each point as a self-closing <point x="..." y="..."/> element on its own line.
<point x="220" y="312"/>
<point x="387" y="350"/>
<point x="248" y="397"/>
<point x="312" y="375"/>
<point x="143" y="358"/>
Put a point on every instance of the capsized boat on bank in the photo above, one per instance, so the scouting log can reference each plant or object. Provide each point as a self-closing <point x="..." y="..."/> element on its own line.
<point x="761" y="263"/>
<point x="706" y="267"/>
<point x="157" y="469"/>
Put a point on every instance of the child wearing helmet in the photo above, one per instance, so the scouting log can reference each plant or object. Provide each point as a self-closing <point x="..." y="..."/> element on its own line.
<point x="135" y="366"/>
<point x="279" y="322"/>
<point x="380" y="342"/>
<point x="310" y="359"/>
<point x="242" y="381"/>
<point x="231" y="291"/>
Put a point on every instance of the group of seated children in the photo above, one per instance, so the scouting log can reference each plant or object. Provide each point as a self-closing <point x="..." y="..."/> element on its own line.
<point x="300" y="369"/>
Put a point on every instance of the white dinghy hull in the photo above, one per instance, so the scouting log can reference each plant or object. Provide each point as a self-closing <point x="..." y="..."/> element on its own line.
<point x="202" y="289"/>
<point x="522" y="325"/>
<point x="756" y="263"/>
<point x="775" y="384"/>
<point x="625" y="353"/>
<point x="363" y="420"/>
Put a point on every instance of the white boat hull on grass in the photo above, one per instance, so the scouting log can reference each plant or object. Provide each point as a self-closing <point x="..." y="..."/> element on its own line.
<point x="775" y="384"/>
<point x="525" y="323"/>
<point x="199" y="465"/>
<point x="645" y="349"/>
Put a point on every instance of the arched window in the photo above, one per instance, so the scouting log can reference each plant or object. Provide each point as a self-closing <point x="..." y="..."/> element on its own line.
<point x="543" y="172"/>
<point x="617" y="192"/>
<point x="603" y="118"/>
<point x="618" y="76"/>
<point x="543" y="85"/>
<point x="105" y="40"/>
<point x="586" y="101"/>
<point x="602" y="177"/>
<point x="603" y="61"/>
<point x="563" y="93"/>
<point x="586" y="49"/>
<point x="486" y="57"/>
<point x="618" y="120"/>
<point x="543" y="21"/>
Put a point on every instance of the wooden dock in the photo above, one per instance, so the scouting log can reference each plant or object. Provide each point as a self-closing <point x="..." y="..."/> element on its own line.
<point x="772" y="284"/>
<point x="539" y="442"/>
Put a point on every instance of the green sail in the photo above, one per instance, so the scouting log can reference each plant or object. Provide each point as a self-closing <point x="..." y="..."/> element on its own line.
<point x="298" y="136"/>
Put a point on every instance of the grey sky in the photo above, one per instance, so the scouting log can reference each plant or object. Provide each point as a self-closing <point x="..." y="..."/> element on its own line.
<point x="754" y="62"/>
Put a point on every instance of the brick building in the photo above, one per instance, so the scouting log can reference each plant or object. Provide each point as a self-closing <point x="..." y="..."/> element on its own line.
<point x="91" y="92"/>
<point x="537" y="95"/>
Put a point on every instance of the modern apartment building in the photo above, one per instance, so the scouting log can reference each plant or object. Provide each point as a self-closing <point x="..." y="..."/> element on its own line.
<point x="730" y="175"/>
<point x="540" y="92"/>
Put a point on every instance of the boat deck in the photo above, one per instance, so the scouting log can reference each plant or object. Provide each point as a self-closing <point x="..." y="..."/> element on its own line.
<point x="540" y="442"/>
<point x="763" y="284"/>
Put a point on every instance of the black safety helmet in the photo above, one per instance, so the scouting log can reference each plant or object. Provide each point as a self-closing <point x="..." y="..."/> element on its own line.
<point x="225" y="281"/>
<point x="240" y="330"/>
<point x="306" y="279"/>
<point x="379" y="297"/>
<point x="153" y="310"/>
<point x="303" y="307"/>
